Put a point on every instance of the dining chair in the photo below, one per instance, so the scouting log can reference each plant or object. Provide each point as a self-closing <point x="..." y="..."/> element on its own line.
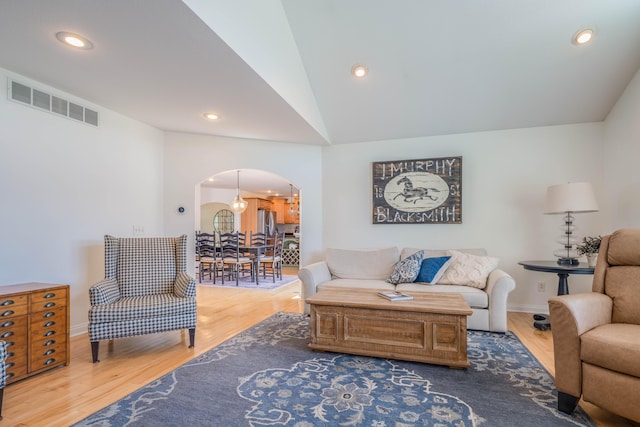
<point x="232" y="260"/>
<point x="206" y="255"/>
<point x="272" y="260"/>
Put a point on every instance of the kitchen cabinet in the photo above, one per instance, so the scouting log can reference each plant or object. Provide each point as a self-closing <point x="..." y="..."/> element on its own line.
<point x="292" y="217"/>
<point x="249" y="218"/>
<point x="278" y="207"/>
<point x="281" y="206"/>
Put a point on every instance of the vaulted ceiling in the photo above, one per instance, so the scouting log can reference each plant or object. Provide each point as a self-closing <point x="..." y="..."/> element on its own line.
<point x="281" y="70"/>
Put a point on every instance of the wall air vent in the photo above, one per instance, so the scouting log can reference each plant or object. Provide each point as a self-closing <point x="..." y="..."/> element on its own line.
<point x="27" y="95"/>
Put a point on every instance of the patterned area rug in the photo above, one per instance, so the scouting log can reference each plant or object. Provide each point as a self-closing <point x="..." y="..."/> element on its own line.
<point x="267" y="376"/>
<point x="246" y="282"/>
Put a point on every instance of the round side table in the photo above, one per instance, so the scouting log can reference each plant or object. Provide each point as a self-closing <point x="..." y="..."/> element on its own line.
<point x="541" y="321"/>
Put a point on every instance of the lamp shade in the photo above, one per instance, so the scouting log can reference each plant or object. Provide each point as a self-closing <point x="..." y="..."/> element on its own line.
<point x="570" y="197"/>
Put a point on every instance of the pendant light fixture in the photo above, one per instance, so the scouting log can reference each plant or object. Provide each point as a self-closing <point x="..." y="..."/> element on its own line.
<point x="292" y="208"/>
<point x="238" y="205"/>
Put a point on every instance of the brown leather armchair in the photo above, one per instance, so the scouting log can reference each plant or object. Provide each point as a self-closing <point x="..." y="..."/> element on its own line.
<point x="596" y="335"/>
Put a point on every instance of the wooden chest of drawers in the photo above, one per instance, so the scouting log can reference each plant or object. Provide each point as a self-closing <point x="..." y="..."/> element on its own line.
<point x="34" y="322"/>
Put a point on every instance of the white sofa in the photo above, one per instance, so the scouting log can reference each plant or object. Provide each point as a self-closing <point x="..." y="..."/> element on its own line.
<point x="370" y="268"/>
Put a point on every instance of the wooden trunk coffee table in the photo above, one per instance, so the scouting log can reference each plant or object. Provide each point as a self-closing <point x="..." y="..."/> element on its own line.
<point x="431" y="328"/>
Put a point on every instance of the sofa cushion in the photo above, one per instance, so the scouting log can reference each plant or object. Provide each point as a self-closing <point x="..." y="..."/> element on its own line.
<point x="622" y="284"/>
<point x="357" y="284"/>
<point x="362" y="263"/>
<point x="406" y="270"/>
<point x="143" y="307"/>
<point x="614" y="346"/>
<point x="475" y="297"/>
<point x="432" y="269"/>
<point x="430" y="253"/>
<point x="468" y="269"/>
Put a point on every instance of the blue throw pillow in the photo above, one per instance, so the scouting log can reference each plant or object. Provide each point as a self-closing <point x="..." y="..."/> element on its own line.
<point x="407" y="269"/>
<point x="432" y="269"/>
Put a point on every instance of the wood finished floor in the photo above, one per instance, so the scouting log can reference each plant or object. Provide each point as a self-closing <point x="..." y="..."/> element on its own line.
<point x="66" y="395"/>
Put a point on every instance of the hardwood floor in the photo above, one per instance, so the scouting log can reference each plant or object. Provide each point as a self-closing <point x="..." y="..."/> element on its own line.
<point x="66" y="395"/>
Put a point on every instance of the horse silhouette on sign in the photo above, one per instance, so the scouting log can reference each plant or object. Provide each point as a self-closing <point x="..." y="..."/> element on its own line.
<point x="409" y="193"/>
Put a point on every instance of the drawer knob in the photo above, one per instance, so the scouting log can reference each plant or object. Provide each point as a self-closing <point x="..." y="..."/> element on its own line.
<point x="7" y="313"/>
<point x="50" y="351"/>
<point x="49" y="333"/>
<point x="49" y="361"/>
<point x="8" y="302"/>
<point x="10" y="365"/>
<point x="50" y="342"/>
<point x="49" y="323"/>
<point x="50" y="295"/>
<point x="10" y="354"/>
<point x="50" y="304"/>
<point x="49" y="314"/>
<point x="6" y="334"/>
<point x="8" y="323"/>
<point x="10" y="343"/>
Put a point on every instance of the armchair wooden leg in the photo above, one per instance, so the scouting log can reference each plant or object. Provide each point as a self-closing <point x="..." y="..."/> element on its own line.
<point x="94" y="350"/>
<point x="192" y="337"/>
<point x="566" y="402"/>
<point x="1" y="398"/>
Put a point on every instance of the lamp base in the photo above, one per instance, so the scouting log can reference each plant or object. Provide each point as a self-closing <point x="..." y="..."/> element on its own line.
<point x="568" y="261"/>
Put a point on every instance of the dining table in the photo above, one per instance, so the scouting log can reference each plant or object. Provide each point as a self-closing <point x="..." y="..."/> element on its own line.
<point x="255" y="251"/>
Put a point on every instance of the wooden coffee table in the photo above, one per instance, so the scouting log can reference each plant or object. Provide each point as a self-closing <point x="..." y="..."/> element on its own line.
<point x="431" y="328"/>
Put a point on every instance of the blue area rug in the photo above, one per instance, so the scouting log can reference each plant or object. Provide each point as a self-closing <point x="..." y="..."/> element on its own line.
<point x="267" y="376"/>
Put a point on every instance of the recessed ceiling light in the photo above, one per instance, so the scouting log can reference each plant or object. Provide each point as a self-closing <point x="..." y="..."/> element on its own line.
<point x="74" y="40"/>
<point x="211" y="116"/>
<point x="359" y="71"/>
<point x="583" y="37"/>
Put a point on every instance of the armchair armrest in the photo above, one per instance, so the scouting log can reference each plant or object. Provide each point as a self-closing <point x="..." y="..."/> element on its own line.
<point x="104" y="292"/>
<point x="311" y="276"/>
<point x="3" y="370"/>
<point x="572" y="316"/>
<point x="499" y="284"/>
<point x="184" y="286"/>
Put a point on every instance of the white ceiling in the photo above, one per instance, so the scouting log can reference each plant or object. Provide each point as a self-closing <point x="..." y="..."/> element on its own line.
<point x="280" y="70"/>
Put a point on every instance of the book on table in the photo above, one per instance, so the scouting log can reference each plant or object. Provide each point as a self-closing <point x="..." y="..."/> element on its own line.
<point x="395" y="296"/>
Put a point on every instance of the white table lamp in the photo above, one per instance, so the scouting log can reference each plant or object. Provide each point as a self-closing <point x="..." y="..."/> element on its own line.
<point x="567" y="199"/>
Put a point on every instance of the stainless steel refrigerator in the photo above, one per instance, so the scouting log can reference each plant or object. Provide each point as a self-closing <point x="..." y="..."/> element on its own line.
<point x="266" y="222"/>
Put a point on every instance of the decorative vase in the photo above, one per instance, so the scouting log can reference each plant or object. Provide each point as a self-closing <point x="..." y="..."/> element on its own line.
<point x="591" y="259"/>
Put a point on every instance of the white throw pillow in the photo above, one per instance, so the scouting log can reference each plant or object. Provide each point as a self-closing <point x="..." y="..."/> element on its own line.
<point x="469" y="270"/>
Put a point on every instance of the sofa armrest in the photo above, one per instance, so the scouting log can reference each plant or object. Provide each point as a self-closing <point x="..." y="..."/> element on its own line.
<point x="572" y="316"/>
<point x="184" y="286"/>
<point x="499" y="284"/>
<point x="311" y="276"/>
<point x="104" y="292"/>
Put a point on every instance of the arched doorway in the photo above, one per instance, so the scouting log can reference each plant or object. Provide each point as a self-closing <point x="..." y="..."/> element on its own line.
<point x="273" y="205"/>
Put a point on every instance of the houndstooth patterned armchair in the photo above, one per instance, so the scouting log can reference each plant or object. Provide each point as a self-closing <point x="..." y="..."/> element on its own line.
<point x="145" y="290"/>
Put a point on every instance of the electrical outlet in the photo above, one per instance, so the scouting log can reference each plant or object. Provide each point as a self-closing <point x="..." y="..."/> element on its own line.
<point x="138" y="230"/>
<point x="541" y="287"/>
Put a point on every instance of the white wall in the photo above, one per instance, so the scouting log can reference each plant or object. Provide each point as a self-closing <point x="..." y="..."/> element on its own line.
<point x="190" y="159"/>
<point x="64" y="185"/>
<point x="504" y="178"/>
<point x="621" y="154"/>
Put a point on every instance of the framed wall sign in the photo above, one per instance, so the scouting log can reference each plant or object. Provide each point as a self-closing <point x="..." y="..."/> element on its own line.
<point x="424" y="191"/>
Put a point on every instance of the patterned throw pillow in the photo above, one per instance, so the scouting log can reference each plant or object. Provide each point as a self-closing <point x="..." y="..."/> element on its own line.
<point x="432" y="269"/>
<point x="407" y="269"/>
<point x="469" y="270"/>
